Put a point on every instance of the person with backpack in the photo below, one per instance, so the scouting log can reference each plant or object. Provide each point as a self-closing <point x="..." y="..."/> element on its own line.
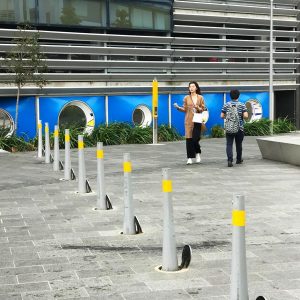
<point x="193" y="104"/>
<point x="234" y="112"/>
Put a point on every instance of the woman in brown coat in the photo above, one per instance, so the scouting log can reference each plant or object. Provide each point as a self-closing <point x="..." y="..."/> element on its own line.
<point x="192" y="103"/>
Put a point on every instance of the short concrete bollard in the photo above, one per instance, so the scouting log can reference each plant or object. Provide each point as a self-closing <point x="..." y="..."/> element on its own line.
<point x="83" y="185"/>
<point x="56" y="165"/>
<point x="239" y="281"/>
<point x="169" y="253"/>
<point x="103" y="201"/>
<point x="40" y="140"/>
<point x="131" y="224"/>
<point x="169" y="256"/>
<point x="68" y="171"/>
<point x="47" y="144"/>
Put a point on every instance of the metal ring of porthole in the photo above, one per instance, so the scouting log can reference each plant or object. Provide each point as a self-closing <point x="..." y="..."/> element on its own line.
<point x="141" y="116"/>
<point x="87" y="111"/>
<point x="3" y="122"/>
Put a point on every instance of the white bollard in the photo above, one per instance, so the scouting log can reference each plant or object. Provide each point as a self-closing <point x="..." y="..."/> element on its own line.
<point x="67" y="167"/>
<point x="56" y="149"/>
<point x="239" y="281"/>
<point x="47" y="144"/>
<point x="81" y="166"/>
<point x="129" y="225"/>
<point x="170" y="262"/>
<point x="101" y="194"/>
<point x="40" y="140"/>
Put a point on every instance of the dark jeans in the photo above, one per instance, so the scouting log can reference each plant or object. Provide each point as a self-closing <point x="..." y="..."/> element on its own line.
<point x="192" y="144"/>
<point x="238" y="137"/>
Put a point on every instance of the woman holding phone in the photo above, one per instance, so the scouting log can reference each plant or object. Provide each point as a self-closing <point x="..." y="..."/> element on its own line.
<point x="192" y="103"/>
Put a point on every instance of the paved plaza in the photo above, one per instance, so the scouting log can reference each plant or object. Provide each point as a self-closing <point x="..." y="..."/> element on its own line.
<point x="54" y="245"/>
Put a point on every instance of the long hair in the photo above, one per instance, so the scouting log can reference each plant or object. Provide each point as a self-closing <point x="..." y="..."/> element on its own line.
<point x="198" y="90"/>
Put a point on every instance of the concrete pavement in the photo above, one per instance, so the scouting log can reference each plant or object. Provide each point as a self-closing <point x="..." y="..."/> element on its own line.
<point x="53" y="244"/>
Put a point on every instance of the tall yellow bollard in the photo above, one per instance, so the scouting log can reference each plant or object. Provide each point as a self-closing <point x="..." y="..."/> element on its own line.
<point x="154" y="109"/>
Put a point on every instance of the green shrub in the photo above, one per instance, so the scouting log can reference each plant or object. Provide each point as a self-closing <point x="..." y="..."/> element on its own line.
<point x="258" y="127"/>
<point x="217" y="131"/>
<point x="113" y="134"/>
<point x="167" y="134"/>
<point x="283" y="125"/>
<point x="263" y="127"/>
<point x="15" y="143"/>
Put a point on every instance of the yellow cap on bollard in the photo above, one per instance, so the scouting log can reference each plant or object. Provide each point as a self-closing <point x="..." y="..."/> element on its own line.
<point x="56" y="133"/>
<point x="67" y="138"/>
<point x="127" y="167"/>
<point x="39" y="125"/>
<point x="100" y="154"/>
<point x="167" y="186"/>
<point x="239" y="218"/>
<point x="80" y="145"/>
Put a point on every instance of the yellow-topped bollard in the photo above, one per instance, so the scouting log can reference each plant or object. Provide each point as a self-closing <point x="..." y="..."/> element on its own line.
<point x="103" y="201"/>
<point x="47" y="144"/>
<point x="40" y="139"/>
<point x="239" y="281"/>
<point x="81" y="166"/>
<point x="56" y="149"/>
<point x="169" y="256"/>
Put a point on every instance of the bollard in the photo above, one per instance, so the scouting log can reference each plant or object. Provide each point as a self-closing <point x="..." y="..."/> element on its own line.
<point x="128" y="227"/>
<point x="40" y="140"/>
<point x="103" y="201"/>
<point x="169" y="258"/>
<point x="47" y="144"/>
<point x="56" y="165"/>
<point x="81" y="166"/>
<point x="239" y="282"/>
<point x="67" y="167"/>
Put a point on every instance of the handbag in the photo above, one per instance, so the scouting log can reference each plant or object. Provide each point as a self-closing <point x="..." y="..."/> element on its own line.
<point x="197" y="118"/>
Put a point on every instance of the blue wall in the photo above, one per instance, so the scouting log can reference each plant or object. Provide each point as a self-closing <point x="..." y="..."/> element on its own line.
<point x="120" y="108"/>
<point x="55" y="104"/>
<point x="26" y="119"/>
<point x="261" y="97"/>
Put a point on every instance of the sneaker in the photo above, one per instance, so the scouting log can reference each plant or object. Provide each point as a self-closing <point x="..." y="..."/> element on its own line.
<point x="189" y="161"/>
<point x="198" y="158"/>
<point x="238" y="162"/>
<point x="230" y="164"/>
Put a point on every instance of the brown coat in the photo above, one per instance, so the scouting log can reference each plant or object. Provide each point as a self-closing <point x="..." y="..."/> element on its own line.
<point x="188" y="106"/>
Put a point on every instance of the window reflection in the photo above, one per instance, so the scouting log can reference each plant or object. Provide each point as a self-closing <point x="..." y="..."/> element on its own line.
<point x="72" y="12"/>
<point x="17" y="11"/>
<point x="135" y="14"/>
<point x="153" y="15"/>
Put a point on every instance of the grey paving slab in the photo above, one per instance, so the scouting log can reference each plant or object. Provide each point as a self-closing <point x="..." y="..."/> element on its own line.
<point x="53" y="245"/>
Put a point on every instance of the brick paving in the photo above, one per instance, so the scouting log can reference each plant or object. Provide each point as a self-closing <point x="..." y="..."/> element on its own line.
<point x="53" y="245"/>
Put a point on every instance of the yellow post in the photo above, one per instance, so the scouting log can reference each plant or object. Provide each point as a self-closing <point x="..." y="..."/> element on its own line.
<point x="154" y="108"/>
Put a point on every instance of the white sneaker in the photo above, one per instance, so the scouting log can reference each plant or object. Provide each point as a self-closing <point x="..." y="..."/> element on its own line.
<point x="189" y="161"/>
<point x="198" y="158"/>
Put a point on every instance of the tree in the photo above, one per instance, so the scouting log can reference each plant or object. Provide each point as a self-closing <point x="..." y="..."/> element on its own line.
<point x="26" y="63"/>
<point x="68" y="15"/>
<point x="122" y="19"/>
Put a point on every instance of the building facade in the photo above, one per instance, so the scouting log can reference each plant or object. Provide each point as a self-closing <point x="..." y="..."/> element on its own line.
<point x="103" y="55"/>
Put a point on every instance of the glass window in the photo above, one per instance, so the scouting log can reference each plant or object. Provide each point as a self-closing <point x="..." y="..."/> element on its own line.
<point x="142" y="14"/>
<point x="17" y="11"/>
<point x="73" y="12"/>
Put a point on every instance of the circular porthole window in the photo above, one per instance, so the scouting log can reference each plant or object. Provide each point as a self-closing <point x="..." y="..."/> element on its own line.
<point x="77" y="114"/>
<point x="141" y="116"/>
<point x="6" y="123"/>
<point x="254" y="109"/>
